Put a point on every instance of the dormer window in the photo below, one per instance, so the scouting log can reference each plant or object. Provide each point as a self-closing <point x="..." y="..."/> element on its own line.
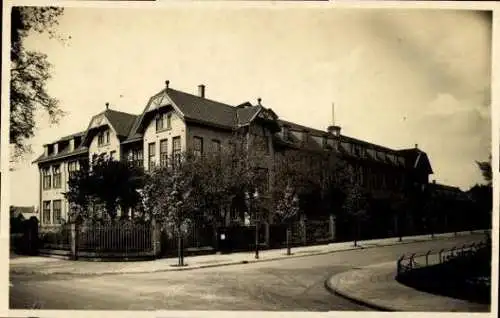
<point x="305" y="136"/>
<point x="163" y="121"/>
<point x="103" y="138"/>
<point x="286" y="133"/>
<point x="169" y="121"/>
<point x="78" y="141"/>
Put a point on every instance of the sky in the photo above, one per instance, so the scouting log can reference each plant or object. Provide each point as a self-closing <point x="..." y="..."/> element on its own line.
<point x="397" y="77"/>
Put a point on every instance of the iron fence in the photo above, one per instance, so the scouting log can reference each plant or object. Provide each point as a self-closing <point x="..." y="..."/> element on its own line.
<point x="117" y="237"/>
<point x="409" y="262"/>
<point x="317" y="230"/>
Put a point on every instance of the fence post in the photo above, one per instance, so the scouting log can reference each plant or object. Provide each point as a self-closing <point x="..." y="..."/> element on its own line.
<point x="304" y="231"/>
<point x="266" y="233"/>
<point x="155" y="237"/>
<point x="331" y="227"/>
<point x="74" y="228"/>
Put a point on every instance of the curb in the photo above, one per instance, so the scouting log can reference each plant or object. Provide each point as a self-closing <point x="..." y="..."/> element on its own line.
<point x="356" y="300"/>
<point x="172" y="269"/>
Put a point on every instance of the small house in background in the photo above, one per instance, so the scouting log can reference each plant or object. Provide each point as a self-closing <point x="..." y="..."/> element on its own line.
<point x="26" y="211"/>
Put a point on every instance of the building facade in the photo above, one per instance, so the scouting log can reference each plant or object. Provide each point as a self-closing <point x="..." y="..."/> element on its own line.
<point x="173" y="122"/>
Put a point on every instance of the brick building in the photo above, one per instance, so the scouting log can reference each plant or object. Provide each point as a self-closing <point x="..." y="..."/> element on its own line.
<point x="174" y="121"/>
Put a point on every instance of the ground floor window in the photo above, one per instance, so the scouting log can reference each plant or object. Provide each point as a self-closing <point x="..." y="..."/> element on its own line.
<point x="46" y="212"/>
<point x="56" y="211"/>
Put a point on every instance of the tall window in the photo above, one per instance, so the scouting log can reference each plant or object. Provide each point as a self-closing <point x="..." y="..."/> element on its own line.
<point x="163" y="152"/>
<point x="112" y="155"/>
<point x="216" y="146"/>
<point x="46" y="175"/>
<point x="46" y="212"/>
<point x="56" y="211"/>
<point x="151" y="155"/>
<point x="72" y="168"/>
<point x="169" y="121"/>
<point x="263" y="180"/>
<point x="198" y="146"/>
<point x="176" y="148"/>
<point x="56" y="171"/>
<point x="103" y="138"/>
<point x="261" y="144"/>
<point x="100" y="139"/>
<point x="135" y="156"/>
<point x="160" y="122"/>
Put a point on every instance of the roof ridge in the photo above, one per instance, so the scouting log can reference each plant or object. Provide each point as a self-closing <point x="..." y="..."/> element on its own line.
<point x="202" y="98"/>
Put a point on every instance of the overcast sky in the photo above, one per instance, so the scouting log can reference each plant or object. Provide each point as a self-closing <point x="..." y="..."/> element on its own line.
<point x="397" y="77"/>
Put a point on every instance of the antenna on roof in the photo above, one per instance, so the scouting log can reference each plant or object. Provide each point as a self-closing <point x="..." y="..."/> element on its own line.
<point x="333" y="114"/>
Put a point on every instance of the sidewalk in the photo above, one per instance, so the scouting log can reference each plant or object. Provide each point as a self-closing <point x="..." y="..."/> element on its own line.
<point x="376" y="287"/>
<point x="47" y="266"/>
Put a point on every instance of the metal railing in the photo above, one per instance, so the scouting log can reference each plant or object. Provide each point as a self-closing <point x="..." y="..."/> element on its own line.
<point x="115" y="238"/>
<point x="409" y="262"/>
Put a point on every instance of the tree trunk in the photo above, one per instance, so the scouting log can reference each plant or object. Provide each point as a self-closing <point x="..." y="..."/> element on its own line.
<point x="288" y="234"/>
<point x="257" y="240"/>
<point x="356" y="230"/>
<point x="179" y="247"/>
<point x="215" y="236"/>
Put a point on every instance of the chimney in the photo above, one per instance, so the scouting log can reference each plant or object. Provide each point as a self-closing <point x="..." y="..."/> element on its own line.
<point x="201" y="91"/>
<point x="334" y="130"/>
<point x="167" y="82"/>
<point x="416" y="146"/>
<point x="107" y="106"/>
<point x="259" y="101"/>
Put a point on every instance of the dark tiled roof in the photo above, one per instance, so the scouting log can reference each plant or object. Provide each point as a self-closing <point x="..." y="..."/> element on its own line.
<point x="202" y="109"/>
<point x="415" y="157"/>
<point x="122" y="122"/>
<point x="295" y="126"/>
<point x="64" y="154"/>
<point x="246" y="114"/>
<point x="68" y="137"/>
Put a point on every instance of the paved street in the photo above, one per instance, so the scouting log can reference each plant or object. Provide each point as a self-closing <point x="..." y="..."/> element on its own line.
<point x="289" y="284"/>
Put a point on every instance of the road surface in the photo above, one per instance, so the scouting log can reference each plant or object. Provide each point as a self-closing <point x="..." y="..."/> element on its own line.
<point x="295" y="284"/>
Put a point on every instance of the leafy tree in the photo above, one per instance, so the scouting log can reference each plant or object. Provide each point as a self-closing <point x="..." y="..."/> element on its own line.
<point x="30" y="71"/>
<point x="401" y="206"/>
<point x="107" y="183"/>
<point x="171" y="196"/>
<point x="486" y="171"/>
<point x="431" y="207"/>
<point x="224" y="178"/>
<point x="356" y="205"/>
<point x="482" y="200"/>
<point x="287" y="209"/>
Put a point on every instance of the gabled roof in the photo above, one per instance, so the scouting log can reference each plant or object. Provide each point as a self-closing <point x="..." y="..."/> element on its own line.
<point x="203" y="109"/>
<point x="247" y="113"/>
<point x="416" y="158"/>
<point x="122" y="122"/>
<point x="65" y="154"/>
